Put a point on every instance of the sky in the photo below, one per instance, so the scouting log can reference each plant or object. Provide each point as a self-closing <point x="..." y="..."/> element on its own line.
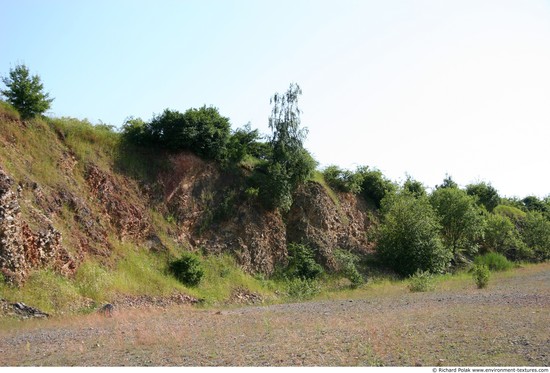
<point x="413" y="88"/>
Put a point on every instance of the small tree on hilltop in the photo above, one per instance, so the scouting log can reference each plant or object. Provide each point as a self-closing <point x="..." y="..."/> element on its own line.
<point x="25" y="92"/>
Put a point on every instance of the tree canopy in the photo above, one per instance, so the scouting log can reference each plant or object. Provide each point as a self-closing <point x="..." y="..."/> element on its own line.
<point x="25" y="92"/>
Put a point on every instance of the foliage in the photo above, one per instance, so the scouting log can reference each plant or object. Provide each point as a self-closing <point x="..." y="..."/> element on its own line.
<point x="494" y="261"/>
<point x="461" y="221"/>
<point x="303" y="288"/>
<point x="481" y="275"/>
<point x="421" y="281"/>
<point x="302" y="262"/>
<point x="246" y="142"/>
<point x="374" y="186"/>
<point x="533" y="203"/>
<point x="502" y="236"/>
<point x="346" y="262"/>
<point x="535" y="232"/>
<point x="515" y="215"/>
<point x="275" y="189"/>
<point x="289" y="164"/>
<point x="343" y="180"/>
<point x="448" y="182"/>
<point x="25" y="92"/>
<point x="486" y="195"/>
<point x="202" y="131"/>
<point x="408" y="236"/>
<point x="414" y="187"/>
<point x="187" y="269"/>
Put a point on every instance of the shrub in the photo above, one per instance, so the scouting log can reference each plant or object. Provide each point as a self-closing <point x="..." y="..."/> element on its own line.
<point x="374" y="186"/>
<point x="481" y="275"/>
<point x="303" y="288"/>
<point x="187" y="269"/>
<point x="343" y="180"/>
<point x="421" y="281"/>
<point x="494" y="261"/>
<point x="408" y="236"/>
<point x="535" y="232"/>
<point x="502" y="236"/>
<point x="202" y="131"/>
<point x="302" y="262"/>
<point x="346" y="262"/>
<point x="416" y="188"/>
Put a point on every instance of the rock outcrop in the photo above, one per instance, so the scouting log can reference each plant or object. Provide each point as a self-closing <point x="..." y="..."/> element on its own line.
<point x="21" y="249"/>
<point x="323" y="224"/>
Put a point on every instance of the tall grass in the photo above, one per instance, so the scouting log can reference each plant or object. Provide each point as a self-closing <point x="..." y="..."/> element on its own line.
<point x="494" y="261"/>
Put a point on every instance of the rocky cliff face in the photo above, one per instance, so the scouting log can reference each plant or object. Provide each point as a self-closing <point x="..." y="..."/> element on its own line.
<point x="21" y="248"/>
<point x="204" y="208"/>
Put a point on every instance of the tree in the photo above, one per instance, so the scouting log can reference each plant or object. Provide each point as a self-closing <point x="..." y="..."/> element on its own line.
<point x="416" y="188"/>
<point x="290" y="164"/>
<point x="408" y="236"/>
<point x="25" y="92"/>
<point x="486" y="195"/>
<point x="461" y="221"/>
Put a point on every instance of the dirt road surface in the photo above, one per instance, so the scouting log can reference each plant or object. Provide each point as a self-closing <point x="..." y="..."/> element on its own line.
<point x="507" y="324"/>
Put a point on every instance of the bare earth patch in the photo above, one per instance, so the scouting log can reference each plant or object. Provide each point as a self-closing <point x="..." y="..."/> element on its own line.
<point x="506" y="324"/>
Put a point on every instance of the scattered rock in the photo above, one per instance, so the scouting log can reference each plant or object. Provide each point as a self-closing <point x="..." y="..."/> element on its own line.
<point x="21" y="310"/>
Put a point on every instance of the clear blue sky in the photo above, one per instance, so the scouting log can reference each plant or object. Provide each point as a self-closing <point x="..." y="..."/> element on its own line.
<point x="411" y="87"/>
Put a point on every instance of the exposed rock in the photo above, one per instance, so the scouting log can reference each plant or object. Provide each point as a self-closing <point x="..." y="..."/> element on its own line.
<point x="121" y="206"/>
<point x="20" y="248"/>
<point x="195" y="189"/>
<point x="20" y="310"/>
<point x="243" y="296"/>
<point x="317" y="221"/>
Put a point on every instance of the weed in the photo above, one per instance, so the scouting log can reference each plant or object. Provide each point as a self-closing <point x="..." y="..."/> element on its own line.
<point x="421" y="281"/>
<point x="347" y="267"/>
<point x="481" y="275"/>
<point x="303" y="288"/>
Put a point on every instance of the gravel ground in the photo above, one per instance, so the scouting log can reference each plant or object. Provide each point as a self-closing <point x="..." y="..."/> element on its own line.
<point x="507" y="324"/>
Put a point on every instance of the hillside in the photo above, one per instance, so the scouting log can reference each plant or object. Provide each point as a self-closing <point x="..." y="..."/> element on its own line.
<point x="78" y="204"/>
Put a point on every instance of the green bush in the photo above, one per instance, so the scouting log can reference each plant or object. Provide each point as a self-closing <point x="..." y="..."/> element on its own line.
<point x="535" y="232"/>
<point x="346" y="263"/>
<point x="408" y="236"/>
<point x="494" y="261"/>
<point x="303" y="288"/>
<point x="502" y="236"/>
<point x="461" y="221"/>
<point x="302" y="263"/>
<point x="485" y="195"/>
<point x="343" y="180"/>
<point x="374" y="186"/>
<point x="421" y="281"/>
<point x="202" y="131"/>
<point x="481" y="275"/>
<point x="187" y="269"/>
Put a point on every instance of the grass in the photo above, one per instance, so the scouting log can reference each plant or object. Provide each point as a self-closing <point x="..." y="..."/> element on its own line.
<point x="380" y="328"/>
<point x="494" y="261"/>
<point x="320" y="179"/>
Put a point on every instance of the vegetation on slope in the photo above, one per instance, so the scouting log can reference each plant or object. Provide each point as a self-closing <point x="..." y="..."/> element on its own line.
<point x="416" y="230"/>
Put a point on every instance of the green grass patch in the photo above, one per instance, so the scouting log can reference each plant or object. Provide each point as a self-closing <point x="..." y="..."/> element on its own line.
<point x="45" y="290"/>
<point x="318" y="177"/>
<point x="494" y="261"/>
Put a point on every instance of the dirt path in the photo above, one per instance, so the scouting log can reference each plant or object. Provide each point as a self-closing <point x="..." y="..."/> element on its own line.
<point x="507" y="324"/>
